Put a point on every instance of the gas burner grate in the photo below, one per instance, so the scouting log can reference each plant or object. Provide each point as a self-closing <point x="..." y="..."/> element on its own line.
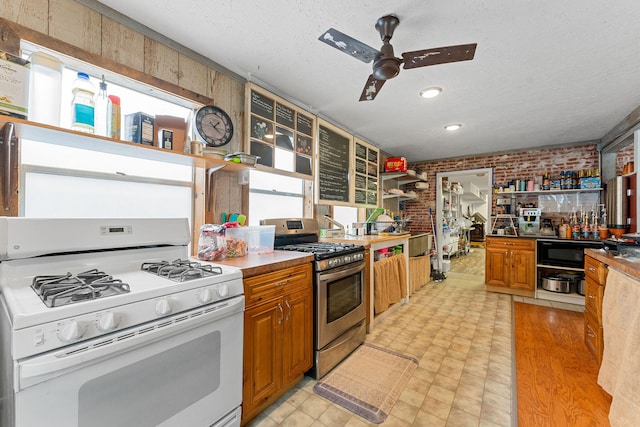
<point x="59" y="290"/>
<point x="181" y="270"/>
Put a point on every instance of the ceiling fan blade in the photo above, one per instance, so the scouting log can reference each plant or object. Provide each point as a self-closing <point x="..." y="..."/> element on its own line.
<point x="371" y="89"/>
<point x="348" y="45"/>
<point x="440" y="55"/>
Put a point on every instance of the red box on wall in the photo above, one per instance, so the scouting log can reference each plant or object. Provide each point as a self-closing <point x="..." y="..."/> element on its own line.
<point x="395" y="164"/>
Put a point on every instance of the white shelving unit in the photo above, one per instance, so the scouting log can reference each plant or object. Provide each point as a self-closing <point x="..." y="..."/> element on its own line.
<point x="396" y="181"/>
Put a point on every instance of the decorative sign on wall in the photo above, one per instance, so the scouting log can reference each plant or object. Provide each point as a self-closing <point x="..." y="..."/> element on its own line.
<point x="280" y="133"/>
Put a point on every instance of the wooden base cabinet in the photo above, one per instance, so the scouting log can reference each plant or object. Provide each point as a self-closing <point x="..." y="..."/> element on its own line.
<point x="510" y="265"/>
<point x="278" y="335"/>
<point x="595" y="274"/>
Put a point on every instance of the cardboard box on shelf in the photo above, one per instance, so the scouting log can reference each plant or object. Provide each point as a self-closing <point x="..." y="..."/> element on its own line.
<point x="178" y="126"/>
<point x="138" y="127"/>
<point x="14" y="85"/>
<point x="395" y="164"/>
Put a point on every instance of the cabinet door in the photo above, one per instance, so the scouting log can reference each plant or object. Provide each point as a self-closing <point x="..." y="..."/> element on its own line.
<point x="496" y="269"/>
<point x="522" y="266"/>
<point x="297" y="346"/>
<point x="262" y="375"/>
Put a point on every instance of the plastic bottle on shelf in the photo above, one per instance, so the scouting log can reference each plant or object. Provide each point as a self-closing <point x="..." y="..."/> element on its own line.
<point x="115" y="117"/>
<point x="102" y="115"/>
<point x="82" y="104"/>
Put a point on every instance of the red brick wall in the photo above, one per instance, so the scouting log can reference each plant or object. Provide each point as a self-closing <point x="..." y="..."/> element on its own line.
<point x="623" y="157"/>
<point x="506" y="167"/>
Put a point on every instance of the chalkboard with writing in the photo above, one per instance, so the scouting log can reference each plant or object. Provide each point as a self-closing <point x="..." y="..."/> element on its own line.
<point x="285" y="115"/>
<point x="262" y="105"/>
<point x="333" y="166"/>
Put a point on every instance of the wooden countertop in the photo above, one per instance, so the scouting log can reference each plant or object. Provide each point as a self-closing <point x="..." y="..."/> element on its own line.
<point x="630" y="266"/>
<point x="255" y="264"/>
<point x="366" y="240"/>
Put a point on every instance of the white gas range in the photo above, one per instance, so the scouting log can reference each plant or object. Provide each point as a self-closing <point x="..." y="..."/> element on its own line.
<point x="109" y="322"/>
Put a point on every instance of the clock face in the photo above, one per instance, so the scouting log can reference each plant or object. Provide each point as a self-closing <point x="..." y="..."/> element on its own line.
<point x="213" y="126"/>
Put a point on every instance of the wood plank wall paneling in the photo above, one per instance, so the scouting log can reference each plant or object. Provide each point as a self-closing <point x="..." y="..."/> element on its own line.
<point x="123" y="45"/>
<point x="88" y="31"/>
<point x="161" y="61"/>
<point x="72" y="29"/>
<point x="30" y="13"/>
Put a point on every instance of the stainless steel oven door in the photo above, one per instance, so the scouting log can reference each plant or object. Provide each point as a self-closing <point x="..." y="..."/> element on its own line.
<point x="339" y="302"/>
<point x="183" y="370"/>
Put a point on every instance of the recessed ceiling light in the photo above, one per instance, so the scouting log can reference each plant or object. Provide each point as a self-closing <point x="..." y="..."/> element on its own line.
<point x="430" y="92"/>
<point x="453" y="127"/>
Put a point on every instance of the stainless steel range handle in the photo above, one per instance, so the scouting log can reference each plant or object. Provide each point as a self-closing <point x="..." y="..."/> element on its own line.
<point x="341" y="272"/>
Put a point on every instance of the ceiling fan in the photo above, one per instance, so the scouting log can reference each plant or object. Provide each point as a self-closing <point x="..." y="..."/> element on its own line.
<point x="385" y="65"/>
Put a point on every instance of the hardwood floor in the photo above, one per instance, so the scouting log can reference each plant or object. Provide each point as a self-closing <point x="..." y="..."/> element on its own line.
<point x="556" y="374"/>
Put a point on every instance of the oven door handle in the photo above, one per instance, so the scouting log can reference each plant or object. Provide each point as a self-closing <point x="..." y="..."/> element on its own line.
<point x="341" y="272"/>
<point x="42" y="368"/>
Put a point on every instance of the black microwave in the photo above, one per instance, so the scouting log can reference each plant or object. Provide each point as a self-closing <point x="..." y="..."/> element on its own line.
<point x="564" y="253"/>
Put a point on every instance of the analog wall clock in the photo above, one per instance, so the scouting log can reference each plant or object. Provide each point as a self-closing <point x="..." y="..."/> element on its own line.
<point x="213" y="126"/>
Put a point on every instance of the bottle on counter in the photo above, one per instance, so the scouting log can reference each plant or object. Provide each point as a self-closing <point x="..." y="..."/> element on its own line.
<point x="562" y="229"/>
<point x="82" y="104"/>
<point x="102" y="111"/>
<point x="575" y="225"/>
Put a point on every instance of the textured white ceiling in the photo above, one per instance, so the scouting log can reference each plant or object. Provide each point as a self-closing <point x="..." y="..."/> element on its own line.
<point x="544" y="73"/>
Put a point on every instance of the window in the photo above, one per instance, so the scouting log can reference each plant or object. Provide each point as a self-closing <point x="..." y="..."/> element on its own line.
<point x="345" y="215"/>
<point x="61" y="181"/>
<point x="274" y="196"/>
<point x="65" y="182"/>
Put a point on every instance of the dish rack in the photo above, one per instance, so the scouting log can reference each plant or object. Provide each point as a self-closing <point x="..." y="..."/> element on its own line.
<point x="391" y="227"/>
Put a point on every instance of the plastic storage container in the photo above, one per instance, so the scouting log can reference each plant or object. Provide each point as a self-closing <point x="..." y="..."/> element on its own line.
<point x="45" y="89"/>
<point x="237" y="241"/>
<point x="260" y="239"/>
<point x="83" y="104"/>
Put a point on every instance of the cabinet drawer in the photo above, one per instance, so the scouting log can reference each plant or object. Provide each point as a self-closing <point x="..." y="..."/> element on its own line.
<point x="595" y="269"/>
<point x="511" y="243"/>
<point x="275" y="284"/>
<point x="593" y="337"/>
<point x="593" y="294"/>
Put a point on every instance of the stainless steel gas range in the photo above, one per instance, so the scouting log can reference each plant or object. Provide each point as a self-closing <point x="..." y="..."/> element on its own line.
<point x="339" y="302"/>
<point x="107" y="322"/>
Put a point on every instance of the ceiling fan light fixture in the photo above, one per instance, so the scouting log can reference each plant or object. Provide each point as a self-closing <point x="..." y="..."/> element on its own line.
<point x="452" y="127"/>
<point x="430" y="92"/>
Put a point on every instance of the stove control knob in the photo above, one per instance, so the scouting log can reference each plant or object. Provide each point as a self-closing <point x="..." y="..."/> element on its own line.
<point x="204" y="296"/>
<point x="70" y="332"/>
<point x="347" y="259"/>
<point x="163" y="307"/>
<point x="223" y="290"/>
<point x="108" y="322"/>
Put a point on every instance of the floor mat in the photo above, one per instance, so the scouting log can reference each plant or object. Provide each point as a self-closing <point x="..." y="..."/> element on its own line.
<point x="368" y="382"/>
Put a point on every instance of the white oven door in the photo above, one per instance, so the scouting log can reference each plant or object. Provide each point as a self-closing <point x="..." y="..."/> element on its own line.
<point x="184" y="370"/>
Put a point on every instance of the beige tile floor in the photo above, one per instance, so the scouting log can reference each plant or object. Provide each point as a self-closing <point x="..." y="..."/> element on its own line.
<point x="462" y="337"/>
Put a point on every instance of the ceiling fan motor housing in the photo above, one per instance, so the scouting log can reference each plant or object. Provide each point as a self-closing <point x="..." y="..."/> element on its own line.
<point x="385" y="65"/>
<point x="386" y="68"/>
